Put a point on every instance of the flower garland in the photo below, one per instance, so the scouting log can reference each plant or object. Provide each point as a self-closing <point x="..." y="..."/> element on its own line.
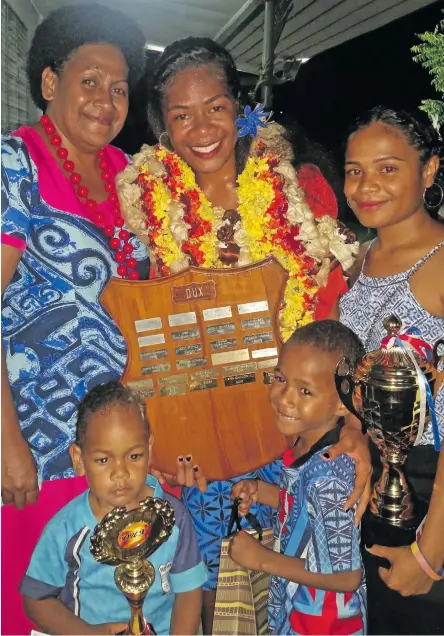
<point x="162" y="201"/>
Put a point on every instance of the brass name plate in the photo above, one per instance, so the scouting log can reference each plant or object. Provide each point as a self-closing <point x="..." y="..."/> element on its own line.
<point x="186" y="334"/>
<point x="190" y="363"/>
<point x="194" y="291"/>
<point x="236" y="369"/>
<point x="223" y="328"/>
<point x="150" y="341"/>
<point x="147" y="383"/>
<point x="264" y="353"/>
<point x="173" y="379"/>
<point x="230" y="356"/>
<point x="156" y="368"/>
<point x="235" y="380"/>
<point x="217" y="313"/>
<point x="268" y="364"/>
<point x="156" y="354"/>
<point x="147" y="393"/>
<point x="252" y="308"/>
<point x="148" y="324"/>
<point x="199" y="385"/>
<point x="226" y="343"/>
<point x="255" y="323"/>
<point x="173" y="389"/>
<point x="205" y="373"/>
<point x="258" y="338"/>
<point x="188" y="350"/>
<point x="186" y="318"/>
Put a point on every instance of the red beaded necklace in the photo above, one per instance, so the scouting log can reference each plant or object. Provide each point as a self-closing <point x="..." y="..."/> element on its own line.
<point x="119" y="238"/>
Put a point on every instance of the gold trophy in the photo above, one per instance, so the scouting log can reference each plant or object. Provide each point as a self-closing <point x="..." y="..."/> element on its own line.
<point x="126" y="538"/>
<point x="384" y="392"/>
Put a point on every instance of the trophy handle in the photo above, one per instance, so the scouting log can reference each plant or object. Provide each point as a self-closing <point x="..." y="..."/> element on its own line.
<point x="346" y="385"/>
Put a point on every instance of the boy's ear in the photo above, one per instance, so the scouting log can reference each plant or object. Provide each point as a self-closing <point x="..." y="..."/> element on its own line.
<point x="77" y="460"/>
<point x="150" y="450"/>
<point x="341" y="410"/>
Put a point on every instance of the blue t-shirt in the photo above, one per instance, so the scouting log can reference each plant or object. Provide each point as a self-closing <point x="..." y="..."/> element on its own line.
<point x="311" y="524"/>
<point x="63" y="567"/>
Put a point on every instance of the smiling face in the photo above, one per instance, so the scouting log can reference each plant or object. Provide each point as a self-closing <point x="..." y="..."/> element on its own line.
<point x="384" y="178"/>
<point x="114" y="457"/>
<point x="200" y="115"/>
<point x="303" y="395"/>
<point x="88" y="98"/>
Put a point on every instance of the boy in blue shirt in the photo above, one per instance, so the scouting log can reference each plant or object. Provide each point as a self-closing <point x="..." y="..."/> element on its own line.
<point x="316" y="583"/>
<point x="65" y="591"/>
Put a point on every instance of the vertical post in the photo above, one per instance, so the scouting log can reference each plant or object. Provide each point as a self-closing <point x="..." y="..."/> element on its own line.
<point x="268" y="54"/>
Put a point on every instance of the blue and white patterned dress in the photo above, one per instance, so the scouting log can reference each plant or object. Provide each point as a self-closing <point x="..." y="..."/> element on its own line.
<point x="371" y="300"/>
<point x="58" y="340"/>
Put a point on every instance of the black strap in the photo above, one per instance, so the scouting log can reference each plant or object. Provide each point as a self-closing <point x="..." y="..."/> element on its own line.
<point x="235" y="519"/>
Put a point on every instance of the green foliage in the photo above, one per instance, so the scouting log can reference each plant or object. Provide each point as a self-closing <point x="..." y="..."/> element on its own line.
<point x="431" y="55"/>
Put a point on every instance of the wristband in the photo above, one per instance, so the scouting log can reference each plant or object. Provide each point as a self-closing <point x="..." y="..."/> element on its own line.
<point x="423" y="563"/>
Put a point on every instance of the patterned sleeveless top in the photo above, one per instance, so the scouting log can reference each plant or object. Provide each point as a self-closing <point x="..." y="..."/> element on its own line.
<point x="371" y="300"/>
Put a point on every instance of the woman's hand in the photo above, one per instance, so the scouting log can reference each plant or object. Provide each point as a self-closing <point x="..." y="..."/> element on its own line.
<point x="187" y="474"/>
<point x="19" y="474"/>
<point x="247" y="490"/>
<point x="354" y="444"/>
<point x="405" y="576"/>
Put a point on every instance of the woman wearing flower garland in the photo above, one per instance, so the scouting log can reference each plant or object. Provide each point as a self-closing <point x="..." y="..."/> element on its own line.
<point x="223" y="199"/>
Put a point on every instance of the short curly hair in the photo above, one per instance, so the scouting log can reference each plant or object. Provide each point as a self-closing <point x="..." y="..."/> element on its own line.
<point x="66" y="29"/>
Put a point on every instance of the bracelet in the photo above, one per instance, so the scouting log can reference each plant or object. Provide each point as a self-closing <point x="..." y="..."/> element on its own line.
<point x="423" y="563"/>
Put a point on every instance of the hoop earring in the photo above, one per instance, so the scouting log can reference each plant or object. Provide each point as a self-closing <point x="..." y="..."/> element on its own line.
<point x="433" y="204"/>
<point x="168" y="146"/>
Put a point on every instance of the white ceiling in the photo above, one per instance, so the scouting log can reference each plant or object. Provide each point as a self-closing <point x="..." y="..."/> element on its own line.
<point x="313" y="25"/>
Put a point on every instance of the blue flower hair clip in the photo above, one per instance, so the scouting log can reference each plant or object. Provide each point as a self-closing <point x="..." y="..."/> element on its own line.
<point x="251" y="120"/>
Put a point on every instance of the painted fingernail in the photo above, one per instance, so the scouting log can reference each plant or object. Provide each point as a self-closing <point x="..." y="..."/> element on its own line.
<point x="188" y="458"/>
<point x="326" y="455"/>
<point x="196" y="469"/>
<point x="180" y="459"/>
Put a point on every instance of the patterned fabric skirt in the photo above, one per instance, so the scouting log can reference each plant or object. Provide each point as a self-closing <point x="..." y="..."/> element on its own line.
<point x="211" y="513"/>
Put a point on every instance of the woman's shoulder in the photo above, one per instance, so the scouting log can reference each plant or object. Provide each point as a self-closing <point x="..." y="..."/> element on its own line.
<point x="15" y="153"/>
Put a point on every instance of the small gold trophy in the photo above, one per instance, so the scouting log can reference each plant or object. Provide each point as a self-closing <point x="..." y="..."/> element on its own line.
<point x="126" y="538"/>
<point x="384" y="391"/>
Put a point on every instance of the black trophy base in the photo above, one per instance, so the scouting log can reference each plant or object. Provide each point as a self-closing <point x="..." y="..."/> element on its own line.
<point x="378" y="531"/>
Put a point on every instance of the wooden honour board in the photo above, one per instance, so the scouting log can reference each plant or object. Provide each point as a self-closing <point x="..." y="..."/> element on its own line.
<point x="202" y="346"/>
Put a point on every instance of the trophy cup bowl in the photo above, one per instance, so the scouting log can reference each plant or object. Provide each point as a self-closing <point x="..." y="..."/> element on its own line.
<point x="126" y="538"/>
<point x="383" y="391"/>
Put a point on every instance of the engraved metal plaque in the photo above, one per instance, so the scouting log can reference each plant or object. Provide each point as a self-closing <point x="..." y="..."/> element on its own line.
<point x="198" y="385"/>
<point x="191" y="362"/>
<point x="186" y="318"/>
<point x="255" y="323"/>
<point x="148" y="324"/>
<point x="268" y="377"/>
<point x="217" y="313"/>
<point x="258" y="338"/>
<point x="252" y="308"/>
<point x="146" y="383"/>
<point x="226" y="343"/>
<point x="173" y="389"/>
<point x="222" y="328"/>
<point x="149" y="341"/>
<point x="234" y="380"/>
<point x="156" y="368"/>
<point x="264" y="353"/>
<point x="235" y="369"/>
<point x="230" y="356"/>
<point x="268" y="364"/>
<point x="155" y="354"/>
<point x="173" y="379"/>
<point x="147" y="393"/>
<point x="185" y="334"/>
<point x="188" y="350"/>
<point x="205" y="373"/>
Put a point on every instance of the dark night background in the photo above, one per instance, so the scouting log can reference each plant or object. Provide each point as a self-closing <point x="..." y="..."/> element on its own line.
<point x="334" y="87"/>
